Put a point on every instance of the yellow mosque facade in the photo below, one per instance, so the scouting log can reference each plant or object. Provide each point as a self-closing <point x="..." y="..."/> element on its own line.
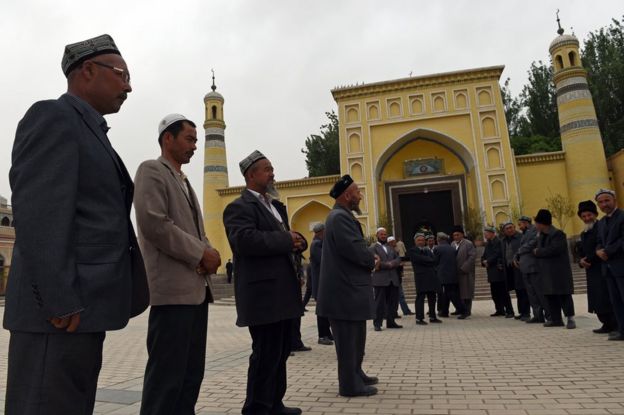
<point x="430" y="151"/>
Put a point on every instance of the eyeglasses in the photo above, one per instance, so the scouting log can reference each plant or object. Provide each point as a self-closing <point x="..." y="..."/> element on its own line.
<point x="125" y="75"/>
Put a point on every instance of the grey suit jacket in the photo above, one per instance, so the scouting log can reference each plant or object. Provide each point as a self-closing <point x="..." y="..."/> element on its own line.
<point x="389" y="263"/>
<point x="75" y="248"/>
<point x="171" y="235"/>
<point x="466" y="255"/>
<point x="345" y="288"/>
<point x="524" y="255"/>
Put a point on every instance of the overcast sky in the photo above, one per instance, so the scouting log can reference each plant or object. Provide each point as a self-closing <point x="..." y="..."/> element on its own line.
<point x="275" y="61"/>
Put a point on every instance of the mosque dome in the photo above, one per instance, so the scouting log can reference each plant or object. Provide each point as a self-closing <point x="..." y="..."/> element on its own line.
<point x="563" y="40"/>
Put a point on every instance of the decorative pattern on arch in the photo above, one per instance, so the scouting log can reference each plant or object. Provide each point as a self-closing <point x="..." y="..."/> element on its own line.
<point x="454" y="146"/>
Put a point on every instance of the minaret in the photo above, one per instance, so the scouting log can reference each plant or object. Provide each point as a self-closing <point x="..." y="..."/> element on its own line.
<point x="215" y="161"/>
<point x="586" y="164"/>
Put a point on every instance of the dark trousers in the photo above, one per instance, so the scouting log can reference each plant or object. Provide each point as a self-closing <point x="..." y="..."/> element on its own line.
<point x="386" y="303"/>
<point x="53" y="374"/>
<point x="176" y="347"/>
<point x="522" y="302"/>
<point x="308" y="291"/>
<point x="616" y="293"/>
<point x="350" y="341"/>
<point x="322" y="323"/>
<point x="451" y="295"/>
<point x="420" y="305"/>
<point x="404" y="307"/>
<point x="501" y="298"/>
<point x="556" y="303"/>
<point x="608" y="321"/>
<point x="295" y="334"/>
<point x="266" y="377"/>
<point x="537" y="300"/>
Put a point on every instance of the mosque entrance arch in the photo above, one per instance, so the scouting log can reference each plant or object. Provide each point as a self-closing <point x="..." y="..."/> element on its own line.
<point x="426" y="178"/>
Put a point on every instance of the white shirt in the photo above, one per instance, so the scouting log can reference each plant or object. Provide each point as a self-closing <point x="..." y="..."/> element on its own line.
<point x="267" y="204"/>
<point x="385" y="247"/>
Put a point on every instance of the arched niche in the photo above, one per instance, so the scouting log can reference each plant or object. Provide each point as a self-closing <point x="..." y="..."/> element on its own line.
<point x="488" y="126"/>
<point x="355" y="143"/>
<point x="461" y="101"/>
<point x="373" y="112"/>
<point x="484" y="97"/>
<point x="493" y="158"/>
<point x="352" y="115"/>
<point x="558" y="62"/>
<point x="416" y="106"/>
<point x="498" y="190"/>
<point x="439" y="104"/>
<point x="501" y="217"/>
<point x="357" y="172"/>
<point x="394" y="109"/>
<point x="572" y="58"/>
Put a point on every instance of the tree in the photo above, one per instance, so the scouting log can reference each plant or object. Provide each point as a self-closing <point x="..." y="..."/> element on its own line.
<point x="539" y="97"/>
<point x="603" y="58"/>
<point x="322" y="151"/>
<point x="561" y="208"/>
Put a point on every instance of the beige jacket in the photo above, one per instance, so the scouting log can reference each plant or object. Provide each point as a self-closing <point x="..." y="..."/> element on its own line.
<point x="171" y="240"/>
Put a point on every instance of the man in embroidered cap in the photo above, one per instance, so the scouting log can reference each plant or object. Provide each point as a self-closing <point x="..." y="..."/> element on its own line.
<point x="179" y="261"/>
<point x="345" y="293"/>
<point x="266" y="287"/>
<point x="77" y="270"/>
<point x="598" y="301"/>
<point x="553" y="262"/>
<point x="610" y="250"/>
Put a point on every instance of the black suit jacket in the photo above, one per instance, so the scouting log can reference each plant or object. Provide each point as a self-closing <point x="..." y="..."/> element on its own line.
<point x="75" y="247"/>
<point x="611" y="239"/>
<point x="266" y="286"/>
<point x="446" y="263"/>
<point x="493" y="254"/>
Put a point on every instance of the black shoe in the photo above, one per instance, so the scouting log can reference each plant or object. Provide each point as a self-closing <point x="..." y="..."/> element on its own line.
<point x="393" y="325"/>
<point x="409" y="313"/>
<point x="455" y="313"/>
<point x="287" y="411"/>
<point x="421" y="323"/>
<point x="554" y="324"/>
<point x="435" y="320"/>
<point x="367" y="391"/>
<point x="534" y="320"/>
<point x="497" y="314"/>
<point x="302" y="349"/>
<point x="325" y="341"/>
<point x="463" y="316"/>
<point x="616" y="337"/>
<point x="602" y="330"/>
<point x="518" y="317"/>
<point x="571" y="324"/>
<point x="510" y="315"/>
<point x="377" y="328"/>
<point x="525" y="318"/>
<point x="370" y="380"/>
<point x="443" y="315"/>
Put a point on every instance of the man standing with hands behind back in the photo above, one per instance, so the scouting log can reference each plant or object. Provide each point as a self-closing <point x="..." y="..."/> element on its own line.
<point x="77" y="271"/>
<point x="179" y="261"/>
<point x="345" y="293"/>
<point x="266" y="287"/>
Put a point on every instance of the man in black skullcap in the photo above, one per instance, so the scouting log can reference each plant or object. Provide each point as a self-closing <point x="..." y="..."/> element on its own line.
<point x="345" y="292"/>
<point x="555" y="271"/>
<point x="266" y="287"/>
<point x="610" y="250"/>
<point x="77" y="271"/>
<point x="598" y="301"/>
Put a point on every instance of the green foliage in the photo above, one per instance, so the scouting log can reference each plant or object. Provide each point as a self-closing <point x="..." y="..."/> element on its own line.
<point x="603" y="58"/>
<point x="384" y="221"/>
<point x="473" y="223"/>
<point x="322" y="151"/>
<point x="561" y="208"/>
<point x="535" y="144"/>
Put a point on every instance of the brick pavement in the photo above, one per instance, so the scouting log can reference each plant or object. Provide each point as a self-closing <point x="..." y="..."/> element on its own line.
<point x="482" y="366"/>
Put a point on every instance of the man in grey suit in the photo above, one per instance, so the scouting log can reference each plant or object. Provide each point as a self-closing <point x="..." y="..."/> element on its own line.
<point x="526" y="262"/>
<point x="77" y="271"/>
<point x="466" y="256"/>
<point x="345" y="292"/>
<point x="179" y="261"/>
<point x="385" y="282"/>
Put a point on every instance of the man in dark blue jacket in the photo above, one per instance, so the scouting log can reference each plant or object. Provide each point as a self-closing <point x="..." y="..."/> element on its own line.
<point x="77" y="271"/>
<point x="610" y="250"/>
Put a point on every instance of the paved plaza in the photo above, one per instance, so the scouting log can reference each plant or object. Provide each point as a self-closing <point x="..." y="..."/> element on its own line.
<point x="482" y="366"/>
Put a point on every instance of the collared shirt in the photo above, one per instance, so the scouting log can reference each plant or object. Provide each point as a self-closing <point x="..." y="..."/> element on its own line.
<point x="179" y="176"/>
<point x="456" y="244"/>
<point x="384" y="246"/>
<point x="266" y="202"/>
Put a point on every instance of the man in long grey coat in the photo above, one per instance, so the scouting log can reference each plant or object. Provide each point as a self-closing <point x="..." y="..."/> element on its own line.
<point x="385" y="282"/>
<point x="466" y="256"/>
<point x="345" y="292"/>
<point x="526" y="262"/>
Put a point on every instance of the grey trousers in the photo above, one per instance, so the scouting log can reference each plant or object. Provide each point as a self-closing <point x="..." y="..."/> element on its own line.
<point x="537" y="300"/>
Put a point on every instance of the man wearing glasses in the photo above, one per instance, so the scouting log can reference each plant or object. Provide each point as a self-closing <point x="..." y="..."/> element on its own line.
<point x="77" y="271"/>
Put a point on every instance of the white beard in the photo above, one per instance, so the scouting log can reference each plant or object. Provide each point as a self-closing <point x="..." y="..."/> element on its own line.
<point x="589" y="226"/>
<point x="272" y="191"/>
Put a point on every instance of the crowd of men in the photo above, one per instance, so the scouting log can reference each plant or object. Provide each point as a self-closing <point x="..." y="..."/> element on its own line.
<point x="87" y="272"/>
